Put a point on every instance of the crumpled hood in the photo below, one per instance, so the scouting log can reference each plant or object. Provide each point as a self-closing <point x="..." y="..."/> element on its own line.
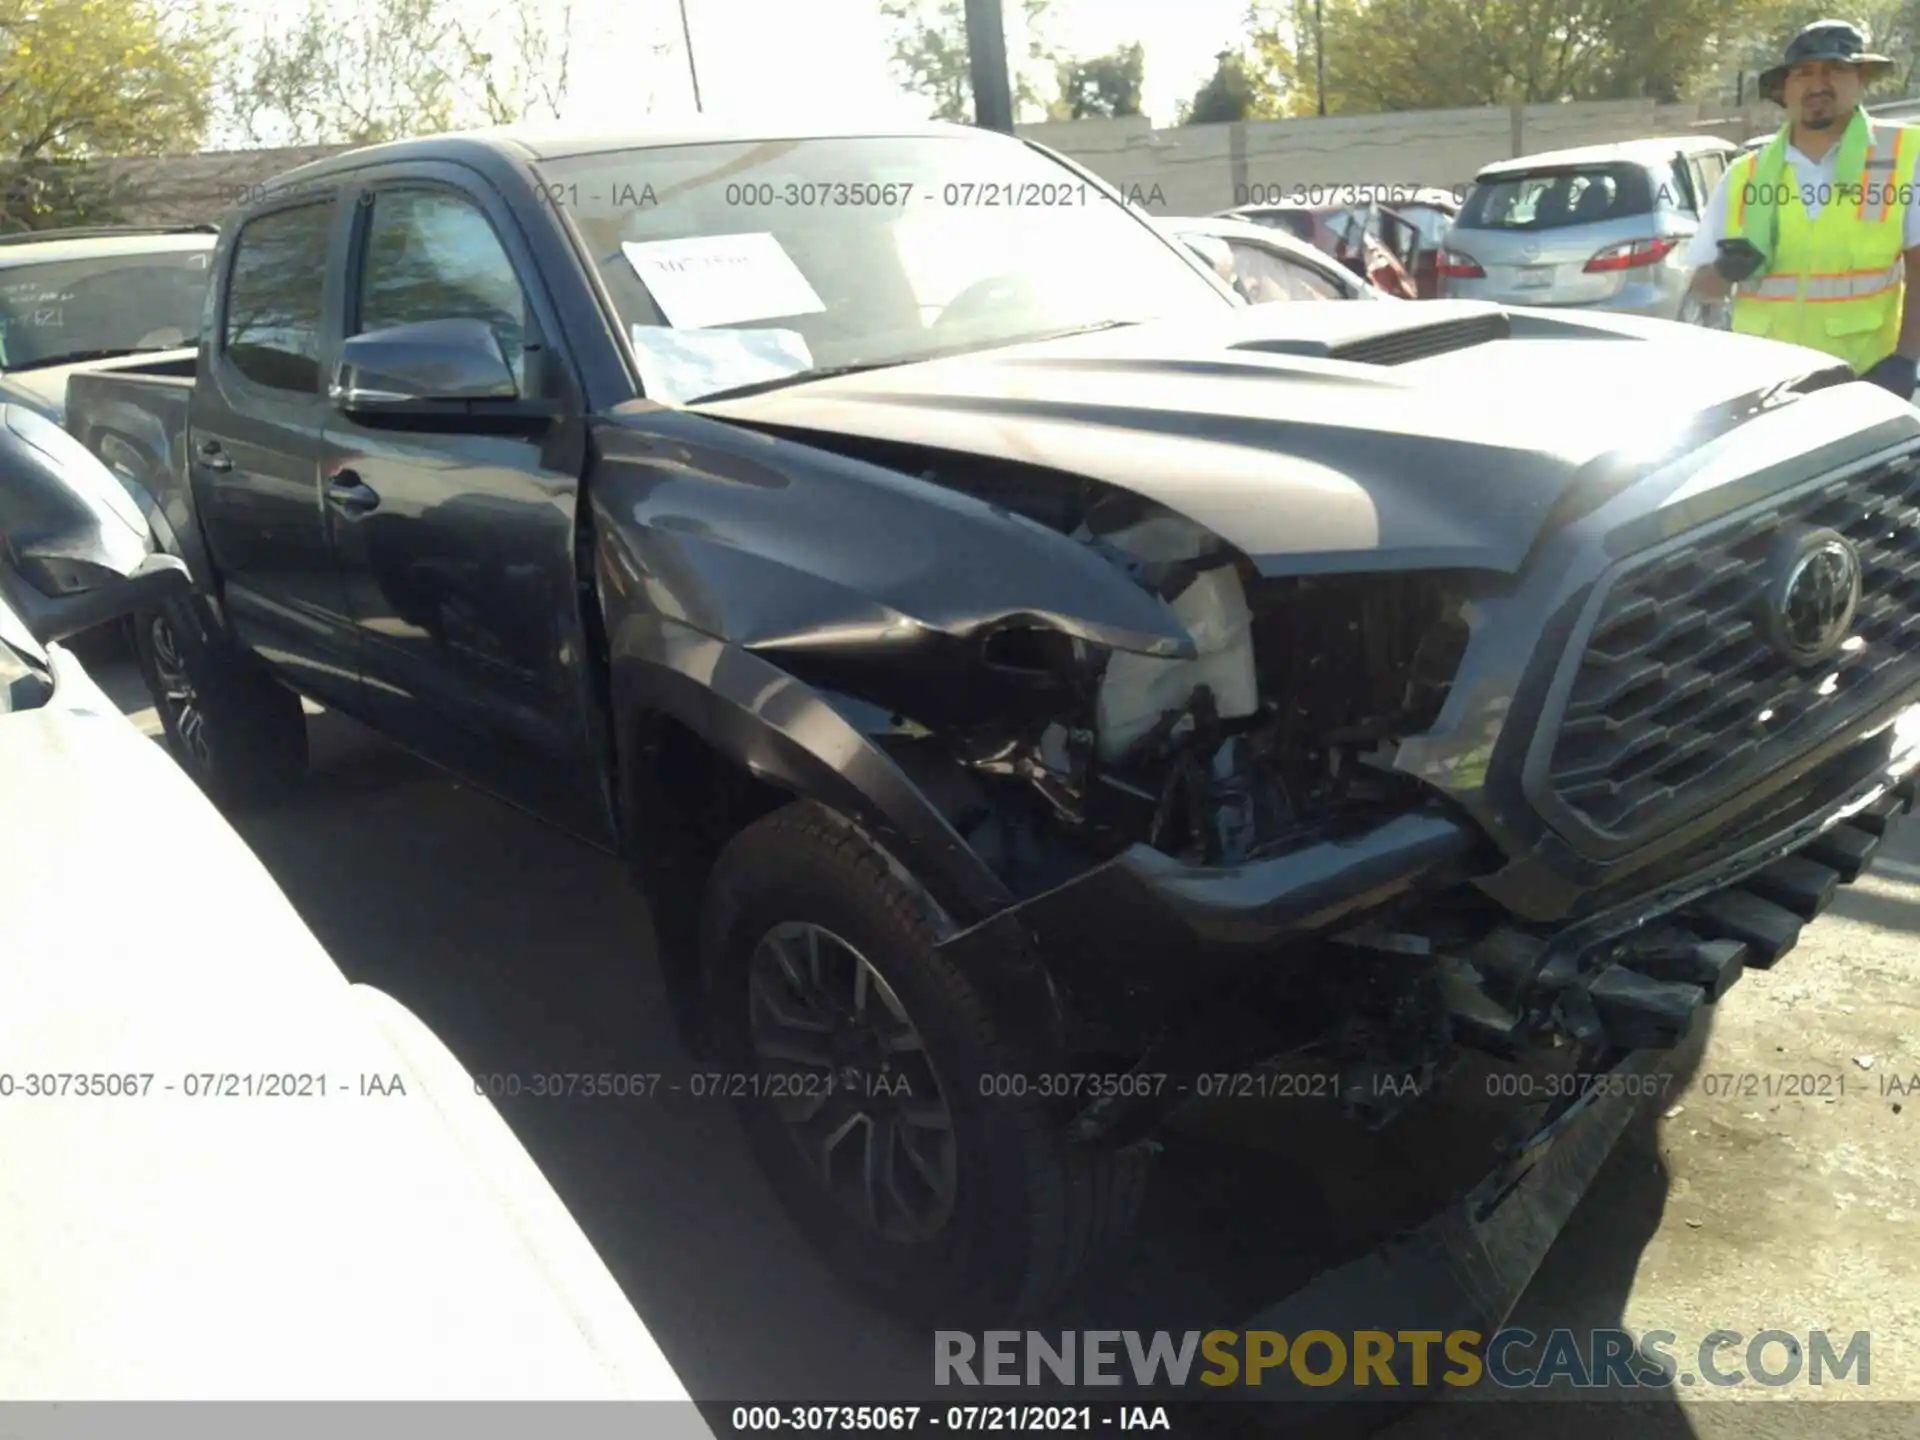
<point x="1252" y="424"/>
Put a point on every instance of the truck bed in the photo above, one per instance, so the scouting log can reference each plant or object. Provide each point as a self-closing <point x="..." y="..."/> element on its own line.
<point x="135" y="419"/>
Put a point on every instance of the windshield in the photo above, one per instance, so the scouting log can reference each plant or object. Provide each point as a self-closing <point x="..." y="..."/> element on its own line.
<point x="743" y="263"/>
<point x="1552" y="199"/>
<point x="54" y="311"/>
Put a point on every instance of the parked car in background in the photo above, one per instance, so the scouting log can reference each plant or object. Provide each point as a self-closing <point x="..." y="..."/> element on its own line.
<point x="1412" y="230"/>
<point x="80" y="299"/>
<point x="1603" y="226"/>
<point x="1347" y="232"/>
<point x="1265" y="264"/>
<point x="230" y="1173"/>
<point x="1415" y="229"/>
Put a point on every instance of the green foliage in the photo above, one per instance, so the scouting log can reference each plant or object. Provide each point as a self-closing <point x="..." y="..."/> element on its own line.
<point x="49" y="194"/>
<point x="1386" y="55"/>
<point x="366" y="71"/>
<point x="1233" y="92"/>
<point x="1103" y="86"/>
<point x="930" y="56"/>
<point x="83" y="79"/>
<point x="99" y="77"/>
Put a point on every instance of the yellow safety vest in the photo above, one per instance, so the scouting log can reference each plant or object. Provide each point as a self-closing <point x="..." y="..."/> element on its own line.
<point x="1837" y="282"/>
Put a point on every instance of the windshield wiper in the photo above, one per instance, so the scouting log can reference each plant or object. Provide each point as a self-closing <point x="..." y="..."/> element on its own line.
<point x="113" y="352"/>
<point x="945" y="352"/>
<point x="824" y="372"/>
<point x="1069" y="331"/>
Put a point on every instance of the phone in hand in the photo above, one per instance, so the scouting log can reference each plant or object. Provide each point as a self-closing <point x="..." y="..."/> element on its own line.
<point x="1739" y="259"/>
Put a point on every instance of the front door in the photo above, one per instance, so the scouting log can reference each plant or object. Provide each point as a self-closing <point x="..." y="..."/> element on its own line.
<point x="458" y="547"/>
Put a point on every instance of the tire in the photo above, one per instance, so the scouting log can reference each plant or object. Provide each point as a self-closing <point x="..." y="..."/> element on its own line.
<point x="1026" y="1214"/>
<point x="241" y="736"/>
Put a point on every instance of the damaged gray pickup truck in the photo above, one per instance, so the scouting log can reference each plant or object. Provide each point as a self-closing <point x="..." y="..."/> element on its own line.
<point x="1024" y="677"/>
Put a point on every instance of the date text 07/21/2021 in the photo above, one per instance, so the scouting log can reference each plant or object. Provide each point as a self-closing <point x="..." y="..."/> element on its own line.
<point x="39" y="1084"/>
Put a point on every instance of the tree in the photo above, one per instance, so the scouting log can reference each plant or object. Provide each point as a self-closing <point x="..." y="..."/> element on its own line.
<point x="930" y="56"/>
<point x="1103" y="86"/>
<point x="530" y="72"/>
<point x="1231" y="93"/>
<point x="1439" y="54"/>
<point x="100" y="77"/>
<point x="85" y="79"/>
<point x="376" y="70"/>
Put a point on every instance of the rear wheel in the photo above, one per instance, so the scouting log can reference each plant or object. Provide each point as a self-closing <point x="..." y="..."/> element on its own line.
<point x="241" y="736"/>
<point x="866" y="1064"/>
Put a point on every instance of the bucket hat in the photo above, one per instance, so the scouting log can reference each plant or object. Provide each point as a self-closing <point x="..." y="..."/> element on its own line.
<point x="1824" y="40"/>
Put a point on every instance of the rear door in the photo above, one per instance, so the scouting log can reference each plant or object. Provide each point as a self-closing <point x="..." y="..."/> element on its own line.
<point x="1704" y="168"/>
<point x="1533" y="232"/>
<point x="461" y="574"/>
<point x="255" y="424"/>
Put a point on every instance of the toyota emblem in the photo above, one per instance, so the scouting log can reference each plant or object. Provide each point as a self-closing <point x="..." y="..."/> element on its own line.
<point x="1814" y="597"/>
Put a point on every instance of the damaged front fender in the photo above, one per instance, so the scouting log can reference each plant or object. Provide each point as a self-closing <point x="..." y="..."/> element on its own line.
<point x="777" y="546"/>
<point x="783" y="732"/>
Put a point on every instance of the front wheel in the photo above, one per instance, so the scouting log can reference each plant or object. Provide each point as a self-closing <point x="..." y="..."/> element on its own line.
<point x="869" y="1070"/>
<point x="241" y="736"/>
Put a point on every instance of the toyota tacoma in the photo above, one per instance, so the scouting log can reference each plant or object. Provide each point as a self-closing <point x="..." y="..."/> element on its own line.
<point x="1007" y="659"/>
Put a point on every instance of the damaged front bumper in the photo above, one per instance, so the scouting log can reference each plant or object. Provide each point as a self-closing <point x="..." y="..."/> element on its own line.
<point x="1180" y="941"/>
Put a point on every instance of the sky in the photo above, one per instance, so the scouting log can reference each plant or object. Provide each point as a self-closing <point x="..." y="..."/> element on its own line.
<point x="827" y="59"/>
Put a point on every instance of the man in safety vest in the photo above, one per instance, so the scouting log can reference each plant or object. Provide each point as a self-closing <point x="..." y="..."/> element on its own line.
<point x="1813" y="235"/>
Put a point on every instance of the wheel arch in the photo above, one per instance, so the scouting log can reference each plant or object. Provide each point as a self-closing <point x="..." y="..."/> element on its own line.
<point x="710" y="736"/>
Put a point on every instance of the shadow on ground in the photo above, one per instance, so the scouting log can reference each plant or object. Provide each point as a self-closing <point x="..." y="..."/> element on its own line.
<point x="529" y="953"/>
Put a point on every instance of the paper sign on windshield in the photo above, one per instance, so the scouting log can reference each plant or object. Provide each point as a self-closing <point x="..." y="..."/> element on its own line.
<point x="721" y="279"/>
<point x="679" y="366"/>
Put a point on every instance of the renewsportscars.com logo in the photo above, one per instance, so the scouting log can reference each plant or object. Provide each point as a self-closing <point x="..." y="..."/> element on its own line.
<point x="1510" y="1359"/>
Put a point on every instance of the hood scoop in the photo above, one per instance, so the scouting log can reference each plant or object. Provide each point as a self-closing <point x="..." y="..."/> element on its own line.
<point x="1395" y="345"/>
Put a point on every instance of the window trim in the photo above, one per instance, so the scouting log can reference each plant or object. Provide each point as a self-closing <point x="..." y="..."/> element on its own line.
<point x="354" y="295"/>
<point x="228" y="371"/>
<point x="558" y="376"/>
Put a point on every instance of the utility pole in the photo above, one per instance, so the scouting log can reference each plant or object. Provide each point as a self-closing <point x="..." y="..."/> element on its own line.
<point x="987" y="62"/>
<point x="1319" y="59"/>
<point x="686" y="38"/>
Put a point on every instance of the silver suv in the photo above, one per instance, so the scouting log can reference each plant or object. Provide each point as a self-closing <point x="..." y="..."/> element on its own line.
<point x="1603" y="226"/>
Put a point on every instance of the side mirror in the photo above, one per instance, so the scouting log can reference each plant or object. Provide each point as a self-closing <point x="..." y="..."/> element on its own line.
<point x="157" y="578"/>
<point x="428" y="371"/>
<point x="74" y="552"/>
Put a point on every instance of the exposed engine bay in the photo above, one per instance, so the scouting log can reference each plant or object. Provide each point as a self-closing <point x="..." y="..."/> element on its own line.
<point x="1271" y="732"/>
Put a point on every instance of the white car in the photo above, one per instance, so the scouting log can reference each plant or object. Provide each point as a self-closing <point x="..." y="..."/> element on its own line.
<point x="1265" y="264"/>
<point x="226" y="1171"/>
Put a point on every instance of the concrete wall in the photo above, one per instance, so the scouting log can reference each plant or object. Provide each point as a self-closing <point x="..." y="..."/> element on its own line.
<point x="1201" y="168"/>
<point x="1184" y="170"/>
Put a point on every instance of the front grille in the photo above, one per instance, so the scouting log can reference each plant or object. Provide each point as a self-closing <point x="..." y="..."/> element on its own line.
<point x="1681" y="700"/>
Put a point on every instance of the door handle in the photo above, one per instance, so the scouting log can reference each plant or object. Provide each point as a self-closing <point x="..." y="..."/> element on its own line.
<point x="348" y="493"/>
<point x="213" y="457"/>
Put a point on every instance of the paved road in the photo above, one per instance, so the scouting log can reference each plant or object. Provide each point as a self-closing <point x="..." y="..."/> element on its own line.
<point x="1743" y="1208"/>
